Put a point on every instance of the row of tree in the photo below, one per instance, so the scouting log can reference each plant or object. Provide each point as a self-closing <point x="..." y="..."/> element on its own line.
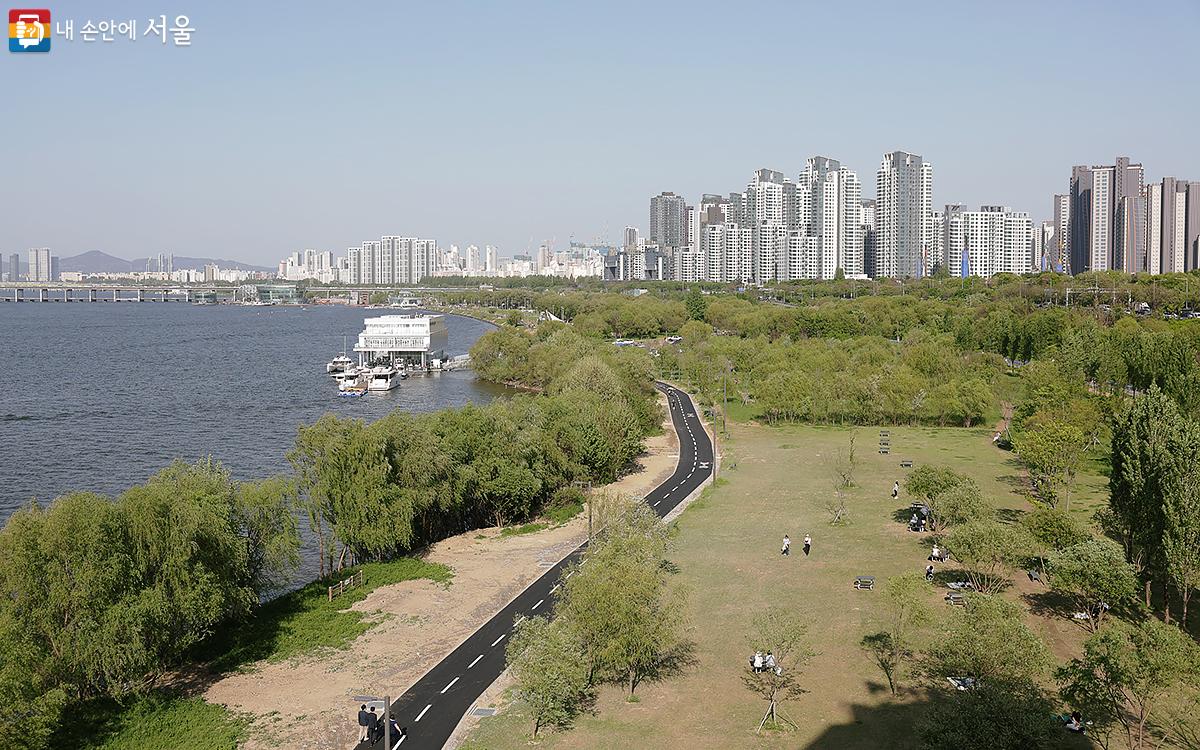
<point x="99" y="597"/>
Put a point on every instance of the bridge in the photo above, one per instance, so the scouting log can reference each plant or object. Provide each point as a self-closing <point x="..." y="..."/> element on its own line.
<point x="35" y="292"/>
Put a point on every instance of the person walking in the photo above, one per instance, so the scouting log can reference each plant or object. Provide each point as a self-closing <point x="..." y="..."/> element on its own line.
<point x="769" y="662"/>
<point x="373" y="726"/>
<point x="787" y="546"/>
<point x="895" y="490"/>
<point x="758" y="661"/>
<point x="364" y="721"/>
<point x="807" y="544"/>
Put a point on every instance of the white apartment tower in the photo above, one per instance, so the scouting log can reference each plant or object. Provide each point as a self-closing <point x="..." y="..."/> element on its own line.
<point x="828" y="220"/>
<point x="770" y="208"/>
<point x="903" y="216"/>
<point x="992" y="240"/>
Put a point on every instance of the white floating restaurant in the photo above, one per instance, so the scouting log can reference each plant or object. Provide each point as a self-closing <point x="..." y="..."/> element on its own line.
<point x="414" y="342"/>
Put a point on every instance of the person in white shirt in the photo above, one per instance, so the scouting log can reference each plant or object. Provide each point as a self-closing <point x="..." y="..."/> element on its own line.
<point x="787" y="546"/>
<point x="807" y="544"/>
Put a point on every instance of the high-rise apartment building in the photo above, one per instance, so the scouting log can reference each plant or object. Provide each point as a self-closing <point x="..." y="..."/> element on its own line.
<point x="668" y="220"/>
<point x="40" y="265"/>
<point x="14" y="267"/>
<point x="992" y="240"/>
<point x="1095" y="200"/>
<point x="1059" y="258"/>
<point x="770" y="209"/>
<point x="489" y="259"/>
<point x="903" y="216"/>
<point x="391" y="260"/>
<point x="1170" y="246"/>
<point x="868" y="232"/>
<point x="828" y="210"/>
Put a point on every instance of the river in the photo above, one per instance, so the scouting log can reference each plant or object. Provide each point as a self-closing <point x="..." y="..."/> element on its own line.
<point x="100" y="396"/>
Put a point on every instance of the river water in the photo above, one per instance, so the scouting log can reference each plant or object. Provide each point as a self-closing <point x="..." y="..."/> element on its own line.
<point x="100" y="396"/>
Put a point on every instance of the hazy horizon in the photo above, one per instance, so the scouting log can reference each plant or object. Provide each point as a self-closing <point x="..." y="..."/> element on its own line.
<point x="303" y="126"/>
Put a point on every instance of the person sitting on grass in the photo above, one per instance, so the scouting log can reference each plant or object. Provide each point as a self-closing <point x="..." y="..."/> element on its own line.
<point x="929" y="572"/>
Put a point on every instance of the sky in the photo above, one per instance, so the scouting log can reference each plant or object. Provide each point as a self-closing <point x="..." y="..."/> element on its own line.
<point x="292" y="125"/>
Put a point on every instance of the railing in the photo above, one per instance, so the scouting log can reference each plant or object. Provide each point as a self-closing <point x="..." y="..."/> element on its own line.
<point x="340" y="587"/>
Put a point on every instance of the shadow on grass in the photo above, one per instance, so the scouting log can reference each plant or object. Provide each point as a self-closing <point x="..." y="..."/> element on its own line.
<point x="896" y="725"/>
<point x="160" y="719"/>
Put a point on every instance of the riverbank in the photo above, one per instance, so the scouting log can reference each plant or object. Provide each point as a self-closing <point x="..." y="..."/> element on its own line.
<point x="308" y="701"/>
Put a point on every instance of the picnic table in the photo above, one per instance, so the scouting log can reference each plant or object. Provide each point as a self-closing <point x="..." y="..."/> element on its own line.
<point x="956" y="599"/>
<point x="865" y="583"/>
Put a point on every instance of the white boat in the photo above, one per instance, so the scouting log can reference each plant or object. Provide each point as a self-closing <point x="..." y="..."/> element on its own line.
<point x="383" y="378"/>
<point x="340" y="363"/>
<point x="348" y="376"/>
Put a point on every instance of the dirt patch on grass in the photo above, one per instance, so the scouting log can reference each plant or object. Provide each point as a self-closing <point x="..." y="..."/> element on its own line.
<point x="308" y="702"/>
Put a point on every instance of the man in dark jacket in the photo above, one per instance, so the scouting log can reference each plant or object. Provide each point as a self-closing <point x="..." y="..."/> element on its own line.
<point x="364" y="722"/>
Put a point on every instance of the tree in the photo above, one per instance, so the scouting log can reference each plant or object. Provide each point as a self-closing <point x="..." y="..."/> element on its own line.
<point x="1052" y="448"/>
<point x="952" y="498"/>
<point x="619" y="605"/>
<point x="782" y="633"/>
<point x="1154" y="448"/>
<point x="1095" y="574"/>
<point x="1052" y="530"/>
<point x="1181" y="535"/>
<point x="846" y="463"/>
<point x="695" y="332"/>
<point x="996" y="716"/>
<point x="990" y="551"/>
<point x="1126" y="672"/>
<point x="549" y="672"/>
<point x="696" y="303"/>
<point x="266" y="515"/>
<point x="987" y="640"/>
<point x="906" y="603"/>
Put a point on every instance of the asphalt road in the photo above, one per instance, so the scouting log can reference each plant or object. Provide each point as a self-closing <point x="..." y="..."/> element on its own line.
<point x="433" y="706"/>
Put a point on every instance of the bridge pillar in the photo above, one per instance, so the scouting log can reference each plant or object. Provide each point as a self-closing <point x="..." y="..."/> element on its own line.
<point x="91" y="295"/>
<point x="141" y="295"/>
<point x="42" y="295"/>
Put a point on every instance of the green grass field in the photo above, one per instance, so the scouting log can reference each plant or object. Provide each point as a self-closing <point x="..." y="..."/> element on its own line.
<point x="776" y="480"/>
<point x="157" y="721"/>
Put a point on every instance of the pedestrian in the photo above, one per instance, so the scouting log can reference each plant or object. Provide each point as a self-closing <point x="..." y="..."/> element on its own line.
<point x="373" y="726"/>
<point x="895" y="490"/>
<point x="769" y="662"/>
<point x="933" y="556"/>
<point x="807" y="544"/>
<point x="758" y="661"/>
<point x="929" y="572"/>
<point x="364" y="721"/>
<point x="787" y="546"/>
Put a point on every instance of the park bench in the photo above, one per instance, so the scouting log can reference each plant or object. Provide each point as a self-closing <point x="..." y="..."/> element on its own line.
<point x="864" y="583"/>
<point x="883" y="449"/>
<point x="956" y="599"/>
<point x="906" y="463"/>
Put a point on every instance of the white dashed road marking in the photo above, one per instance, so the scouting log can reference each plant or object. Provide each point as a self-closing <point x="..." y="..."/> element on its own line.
<point x="476" y="661"/>
<point x="499" y="639"/>
<point x="449" y="686"/>
<point x="423" y="710"/>
<point x="538" y="604"/>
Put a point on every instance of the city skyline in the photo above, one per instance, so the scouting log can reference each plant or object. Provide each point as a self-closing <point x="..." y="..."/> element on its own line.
<point x="543" y="135"/>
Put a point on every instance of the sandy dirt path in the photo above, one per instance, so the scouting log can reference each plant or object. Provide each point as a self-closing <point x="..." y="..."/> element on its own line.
<point x="308" y="703"/>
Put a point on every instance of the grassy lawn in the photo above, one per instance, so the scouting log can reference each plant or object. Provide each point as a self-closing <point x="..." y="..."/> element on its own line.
<point x="775" y="481"/>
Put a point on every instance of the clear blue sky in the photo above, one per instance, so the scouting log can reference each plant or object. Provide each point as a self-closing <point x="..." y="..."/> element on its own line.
<point x="294" y="124"/>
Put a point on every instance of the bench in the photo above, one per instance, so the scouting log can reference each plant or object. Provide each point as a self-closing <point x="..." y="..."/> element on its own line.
<point x="864" y="583"/>
<point x="906" y="463"/>
<point x="883" y="449"/>
<point x="955" y="599"/>
<point x="885" y="433"/>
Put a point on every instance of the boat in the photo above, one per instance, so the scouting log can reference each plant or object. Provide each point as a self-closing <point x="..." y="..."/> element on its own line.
<point x="354" y="391"/>
<point x="383" y="378"/>
<point x="340" y="363"/>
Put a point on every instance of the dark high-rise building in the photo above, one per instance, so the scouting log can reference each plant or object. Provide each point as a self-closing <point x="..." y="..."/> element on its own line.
<point x="668" y="220"/>
<point x="1095" y="200"/>
<point x="14" y="267"/>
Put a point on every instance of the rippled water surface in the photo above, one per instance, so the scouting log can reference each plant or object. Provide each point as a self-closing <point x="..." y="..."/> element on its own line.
<point x="100" y="396"/>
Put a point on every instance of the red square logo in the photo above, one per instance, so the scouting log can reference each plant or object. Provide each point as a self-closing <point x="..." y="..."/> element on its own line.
<point x="29" y="30"/>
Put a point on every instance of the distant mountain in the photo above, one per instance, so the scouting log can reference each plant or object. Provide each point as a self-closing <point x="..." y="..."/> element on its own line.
<point x="95" y="261"/>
